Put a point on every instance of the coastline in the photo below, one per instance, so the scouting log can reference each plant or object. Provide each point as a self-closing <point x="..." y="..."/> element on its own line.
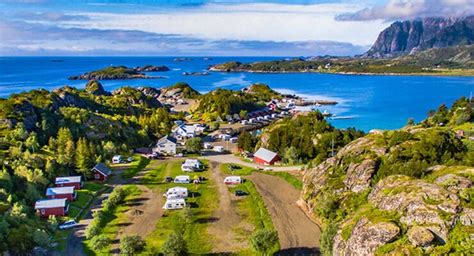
<point x="468" y="73"/>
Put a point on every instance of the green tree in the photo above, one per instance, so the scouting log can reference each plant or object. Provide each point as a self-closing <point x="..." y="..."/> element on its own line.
<point x="194" y="145"/>
<point x="65" y="147"/>
<point x="327" y="239"/>
<point x="100" y="242"/>
<point x="130" y="245"/>
<point x="32" y="142"/>
<point x="264" y="240"/>
<point x="291" y="155"/>
<point x="175" y="245"/>
<point x="84" y="159"/>
<point x="246" y="141"/>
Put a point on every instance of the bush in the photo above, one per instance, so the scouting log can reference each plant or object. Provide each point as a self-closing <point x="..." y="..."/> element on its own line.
<point x="327" y="239"/>
<point x="194" y="145"/>
<point x="263" y="240"/>
<point x="130" y="245"/>
<point x="100" y="242"/>
<point x="175" y="245"/>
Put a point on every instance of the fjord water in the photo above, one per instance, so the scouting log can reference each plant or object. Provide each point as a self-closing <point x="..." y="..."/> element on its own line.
<point x="368" y="102"/>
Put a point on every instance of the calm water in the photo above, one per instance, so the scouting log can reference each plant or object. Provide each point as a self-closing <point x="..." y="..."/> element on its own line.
<point x="384" y="102"/>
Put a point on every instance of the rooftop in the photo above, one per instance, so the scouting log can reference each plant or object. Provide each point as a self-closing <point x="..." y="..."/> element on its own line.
<point x="102" y="168"/>
<point x="59" y="191"/>
<point x="68" y="179"/>
<point x="50" y="203"/>
<point x="265" y="154"/>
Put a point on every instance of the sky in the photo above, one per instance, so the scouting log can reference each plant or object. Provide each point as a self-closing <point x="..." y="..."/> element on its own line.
<point x="205" y="27"/>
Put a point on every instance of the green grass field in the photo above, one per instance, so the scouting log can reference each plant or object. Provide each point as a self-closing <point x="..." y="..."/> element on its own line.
<point x="134" y="167"/>
<point x="200" y="209"/>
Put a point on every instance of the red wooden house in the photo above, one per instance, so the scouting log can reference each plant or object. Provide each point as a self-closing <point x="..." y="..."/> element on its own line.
<point x="56" y="207"/>
<point x="265" y="157"/>
<point x="61" y="192"/>
<point x="70" y="181"/>
<point x="101" y="172"/>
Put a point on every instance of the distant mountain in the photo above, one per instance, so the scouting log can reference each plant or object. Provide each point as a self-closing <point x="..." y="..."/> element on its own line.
<point x="409" y="37"/>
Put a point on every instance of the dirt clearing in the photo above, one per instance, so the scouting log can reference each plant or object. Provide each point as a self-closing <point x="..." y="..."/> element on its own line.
<point x="297" y="233"/>
<point x="226" y="220"/>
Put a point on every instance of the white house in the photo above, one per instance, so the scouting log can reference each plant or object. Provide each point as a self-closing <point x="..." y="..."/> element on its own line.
<point x="188" y="131"/>
<point x="190" y="165"/>
<point x="182" y="179"/>
<point x="173" y="204"/>
<point x="232" y="180"/>
<point x="117" y="159"/>
<point x="166" y="146"/>
<point x="176" y="192"/>
<point x="207" y="145"/>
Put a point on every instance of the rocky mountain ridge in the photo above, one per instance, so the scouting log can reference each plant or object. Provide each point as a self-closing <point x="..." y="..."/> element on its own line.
<point x="408" y="37"/>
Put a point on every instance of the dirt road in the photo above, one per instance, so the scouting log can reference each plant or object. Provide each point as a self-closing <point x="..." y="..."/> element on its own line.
<point x="226" y="219"/>
<point x="229" y="158"/>
<point x="297" y="233"/>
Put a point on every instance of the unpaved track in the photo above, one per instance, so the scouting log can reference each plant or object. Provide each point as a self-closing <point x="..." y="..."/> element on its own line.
<point x="230" y="158"/>
<point x="225" y="218"/>
<point x="297" y="233"/>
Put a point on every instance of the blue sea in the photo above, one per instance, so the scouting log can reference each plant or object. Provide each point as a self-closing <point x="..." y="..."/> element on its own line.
<point x="368" y="102"/>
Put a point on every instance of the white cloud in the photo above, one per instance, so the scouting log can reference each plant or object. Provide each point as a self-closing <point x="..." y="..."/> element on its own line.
<point x="261" y="22"/>
<point x="409" y="9"/>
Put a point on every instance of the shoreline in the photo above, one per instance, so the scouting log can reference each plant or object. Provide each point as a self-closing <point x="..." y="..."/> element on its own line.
<point x="443" y="74"/>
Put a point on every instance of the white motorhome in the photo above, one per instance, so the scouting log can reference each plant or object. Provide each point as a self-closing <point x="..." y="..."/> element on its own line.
<point x="232" y="180"/>
<point x="219" y="149"/>
<point x="182" y="179"/>
<point x="173" y="204"/>
<point x="190" y="165"/>
<point x="117" y="159"/>
<point x="176" y="192"/>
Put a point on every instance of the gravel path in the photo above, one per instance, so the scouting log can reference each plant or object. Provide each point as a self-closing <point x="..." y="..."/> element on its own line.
<point x="297" y="233"/>
<point x="229" y="158"/>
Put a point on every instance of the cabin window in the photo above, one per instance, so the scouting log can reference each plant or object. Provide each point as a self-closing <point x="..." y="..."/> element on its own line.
<point x="43" y="211"/>
<point x="97" y="176"/>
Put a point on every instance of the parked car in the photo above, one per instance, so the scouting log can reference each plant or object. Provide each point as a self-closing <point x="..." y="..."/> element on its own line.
<point x="130" y="159"/>
<point x="152" y="156"/>
<point x="239" y="192"/>
<point x="267" y="169"/>
<point x="68" y="225"/>
<point x="169" y="179"/>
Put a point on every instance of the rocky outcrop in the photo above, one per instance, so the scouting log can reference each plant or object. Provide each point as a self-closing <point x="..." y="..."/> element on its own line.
<point x="453" y="182"/>
<point x="467" y="217"/>
<point x="420" y="236"/>
<point x="409" y="37"/>
<point x="95" y="87"/>
<point x="359" y="175"/>
<point x="150" y="68"/>
<point x="365" y="238"/>
<point x="137" y="97"/>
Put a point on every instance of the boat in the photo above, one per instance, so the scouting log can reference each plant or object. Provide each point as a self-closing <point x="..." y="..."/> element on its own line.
<point x="326" y="113"/>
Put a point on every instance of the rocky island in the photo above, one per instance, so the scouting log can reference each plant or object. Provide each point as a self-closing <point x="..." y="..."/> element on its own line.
<point x="121" y="73"/>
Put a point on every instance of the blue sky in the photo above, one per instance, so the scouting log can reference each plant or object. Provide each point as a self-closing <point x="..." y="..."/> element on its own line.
<point x="198" y="27"/>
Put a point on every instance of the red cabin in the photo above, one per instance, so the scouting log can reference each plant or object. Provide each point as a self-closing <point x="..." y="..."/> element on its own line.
<point x="70" y="181"/>
<point x="101" y="172"/>
<point x="61" y="192"/>
<point x="55" y="207"/>
<point x="265" y="157"/>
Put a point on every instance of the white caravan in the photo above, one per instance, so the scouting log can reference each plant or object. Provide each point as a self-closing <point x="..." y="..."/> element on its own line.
<point x="182" y="179"/>
<point x="176" y="192"/>
<point x="173" y="204"/>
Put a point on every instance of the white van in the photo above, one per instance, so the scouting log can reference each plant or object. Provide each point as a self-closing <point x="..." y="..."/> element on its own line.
<point x="172" y="204"/>
<point x="117" y="159"/>
<point x="232" y="180"/>
<point x="176" y="192"/>
<point x="182" y="179"/>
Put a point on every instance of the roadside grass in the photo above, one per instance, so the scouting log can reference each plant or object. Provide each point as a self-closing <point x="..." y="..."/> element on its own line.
<point x="244" y="171"/>
<point x="134" y="167"/>
<point x="290" y="178"/>
<point x="252" y="210"/>
<point x="83" y="198"/>
<point x="114" y="219"/>
<point x="194" y="220"/>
